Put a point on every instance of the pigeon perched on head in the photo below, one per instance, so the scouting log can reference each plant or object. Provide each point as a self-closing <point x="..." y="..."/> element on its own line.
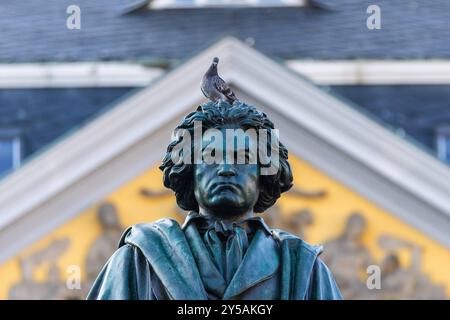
<point x="214" y="87"/>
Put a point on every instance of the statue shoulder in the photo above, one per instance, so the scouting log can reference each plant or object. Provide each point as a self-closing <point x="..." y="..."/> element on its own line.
<point x="296" y="242"/>
<point x="118" y="278"/>
<point x="140" y="234"/>
<point x="318" y="281"/>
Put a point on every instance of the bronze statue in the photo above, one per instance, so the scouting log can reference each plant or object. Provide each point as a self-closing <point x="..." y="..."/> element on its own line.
<point x="235" y="169"/>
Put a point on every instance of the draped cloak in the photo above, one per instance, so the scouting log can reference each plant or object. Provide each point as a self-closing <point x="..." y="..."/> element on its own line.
<point x="162" y="260"/>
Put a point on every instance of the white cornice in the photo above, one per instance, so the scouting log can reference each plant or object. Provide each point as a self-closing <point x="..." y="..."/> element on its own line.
<point x="196" y="4"/>
<point x="89" y="164"/>
<point x="77" y="74"/>
<point x="121" y="74"/>
<point x="373" y="72"/>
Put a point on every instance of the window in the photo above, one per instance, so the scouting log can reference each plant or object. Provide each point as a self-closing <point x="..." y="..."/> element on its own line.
<point x="443" y="143"/>
<point x="10" y="151"/>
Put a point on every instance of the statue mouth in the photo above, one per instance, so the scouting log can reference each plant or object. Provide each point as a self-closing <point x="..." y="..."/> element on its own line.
<point x="224" y="186"/>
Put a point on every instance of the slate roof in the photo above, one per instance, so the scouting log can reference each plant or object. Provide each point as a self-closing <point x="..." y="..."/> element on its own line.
<point x="36" y="30"/>
<point x="43" y="115"/>
<point x="417" y="110"/>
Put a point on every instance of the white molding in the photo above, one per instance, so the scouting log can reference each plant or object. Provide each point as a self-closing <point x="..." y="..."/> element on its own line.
<point x="195" y="4"/>
<point x="124" y="74"/>
<point x="77" y="74"/>
<point x="373" y="72"/>
<point x="94" y="161"/>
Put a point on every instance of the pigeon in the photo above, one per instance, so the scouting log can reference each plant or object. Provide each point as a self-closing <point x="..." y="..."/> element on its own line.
<point x="214" y="87"/>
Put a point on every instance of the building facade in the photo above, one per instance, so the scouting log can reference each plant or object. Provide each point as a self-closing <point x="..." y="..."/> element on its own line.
<point x="85" y="117"/>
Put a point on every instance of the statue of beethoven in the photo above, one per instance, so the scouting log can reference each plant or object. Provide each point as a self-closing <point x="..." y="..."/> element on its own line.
<point x="234" y="169"/>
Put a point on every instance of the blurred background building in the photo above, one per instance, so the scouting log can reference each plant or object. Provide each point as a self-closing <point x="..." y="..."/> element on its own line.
<point x="86" y="114"/>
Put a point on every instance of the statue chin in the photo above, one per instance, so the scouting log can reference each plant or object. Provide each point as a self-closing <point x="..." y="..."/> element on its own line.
<point x="226" y="207"/>
<point x="227" y="213"/>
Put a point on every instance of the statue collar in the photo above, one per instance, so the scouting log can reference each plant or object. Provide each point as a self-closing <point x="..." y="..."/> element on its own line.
<point x="252" y="223"/>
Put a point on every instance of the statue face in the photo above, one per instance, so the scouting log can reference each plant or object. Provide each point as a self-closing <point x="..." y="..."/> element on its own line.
<point x="226" y="190"/>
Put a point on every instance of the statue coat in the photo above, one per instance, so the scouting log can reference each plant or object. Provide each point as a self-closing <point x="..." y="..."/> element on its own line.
<point x="163" y="260"/>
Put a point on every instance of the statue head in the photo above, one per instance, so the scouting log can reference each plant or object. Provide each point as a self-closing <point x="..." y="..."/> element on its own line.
<point x="227" y="168"/>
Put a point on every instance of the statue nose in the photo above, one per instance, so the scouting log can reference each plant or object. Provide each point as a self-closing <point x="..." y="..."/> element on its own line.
<point x="226" y="170"/>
